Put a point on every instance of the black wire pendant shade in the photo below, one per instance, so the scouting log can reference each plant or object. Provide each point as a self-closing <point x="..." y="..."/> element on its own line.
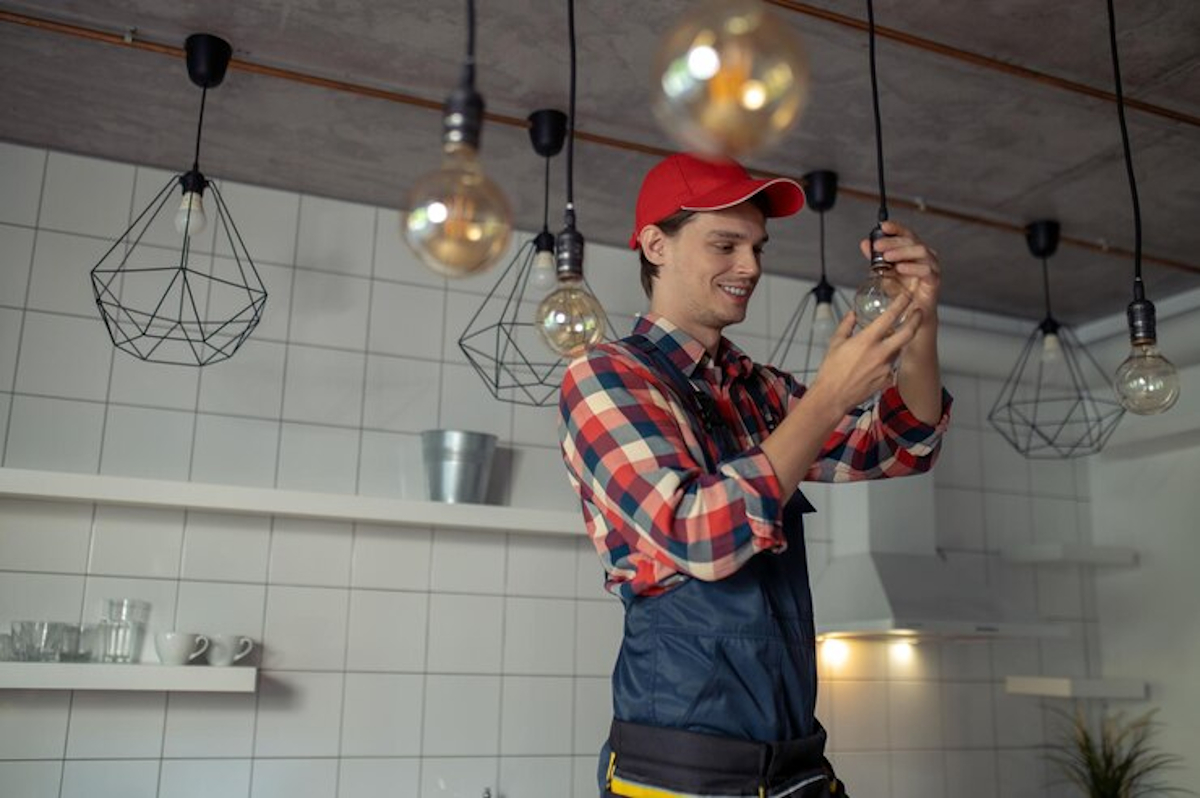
<point x="805" y="338"/>
<point x="1047" y="408"/>
<point x="187" y="308"/>
<point x="502" y="341"/>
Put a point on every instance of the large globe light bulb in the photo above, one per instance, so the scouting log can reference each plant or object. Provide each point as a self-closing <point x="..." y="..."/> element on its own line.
<point x="570" y="319"/>
<point x="458" y="222"/>
<point x="190" y="219"/>
<point x="731" y="78"/>
<point x="1147" y="383"/>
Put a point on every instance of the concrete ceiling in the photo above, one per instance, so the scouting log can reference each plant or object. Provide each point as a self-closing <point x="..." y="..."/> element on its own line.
<point x="995" y="114"/>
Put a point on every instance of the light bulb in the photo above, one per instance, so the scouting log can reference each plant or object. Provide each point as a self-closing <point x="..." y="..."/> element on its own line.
<point x="1147" y="383"/>
<point x="823" y="323"/>
<point x="570" y="319"/>
<point x="875" y="295"/>
<point x="732" y="77"/>
<point x="458" y="222"/>
<point x="1051" y="349"/>
<point x="835" y="652"/>
<point x="190" y="219"/>
<point x="543" y="276"/>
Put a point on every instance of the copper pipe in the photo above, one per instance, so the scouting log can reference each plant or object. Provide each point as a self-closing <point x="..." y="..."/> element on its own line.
<point x="251" y="67"/>
<point x="986" y="62"/>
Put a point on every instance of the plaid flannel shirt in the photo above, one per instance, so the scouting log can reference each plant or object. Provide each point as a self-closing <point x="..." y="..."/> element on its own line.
<point x="634" y="454"/>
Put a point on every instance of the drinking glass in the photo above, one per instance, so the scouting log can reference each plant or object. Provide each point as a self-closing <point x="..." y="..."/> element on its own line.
<point x="122" y="630"/>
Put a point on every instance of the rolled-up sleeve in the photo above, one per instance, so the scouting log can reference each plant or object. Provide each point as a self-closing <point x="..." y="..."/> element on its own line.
<point x="654" y="513"/>
<point x="884" y="440"/>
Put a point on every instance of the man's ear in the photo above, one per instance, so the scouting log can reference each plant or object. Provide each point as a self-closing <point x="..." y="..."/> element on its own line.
<point x="654" y="244"/>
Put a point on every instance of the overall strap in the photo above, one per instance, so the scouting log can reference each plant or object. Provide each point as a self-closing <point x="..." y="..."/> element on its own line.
<point x="695" y="400"/>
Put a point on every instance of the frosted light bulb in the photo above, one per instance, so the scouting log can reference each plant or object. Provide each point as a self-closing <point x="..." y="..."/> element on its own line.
<point x="570" y="319"/>
<point x="1051" y="348"/>
<point x="458" y="222"/>
<point x="543" y="277"/>
<point x="1147" y="383"/>
<point x="732" y="78"/>
<point x="190" y="219"/>
<point x="823" y="323"/>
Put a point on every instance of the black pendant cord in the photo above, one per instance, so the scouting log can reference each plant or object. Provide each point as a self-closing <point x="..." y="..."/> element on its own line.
<point x="883" y="211"/>
<point x="546" y="200"/>
<point x="1139" y="292"/>
<point x="821" y="219"/>
<point x="569" y="214"/>
<point x="469" y="64"/>
<point x="199" y="128"/>
<point x="1046" y="289"/>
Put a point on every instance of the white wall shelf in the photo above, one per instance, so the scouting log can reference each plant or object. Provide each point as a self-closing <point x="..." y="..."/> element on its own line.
<point x="130" y="491"/>
<point x="104" y="676"/>
<point x="1070" y="554"/>
<point x="1066" y="687"/>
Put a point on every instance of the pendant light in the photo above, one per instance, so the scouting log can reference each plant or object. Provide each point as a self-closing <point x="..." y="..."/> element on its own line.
<point x="818" y="314"/>
<point x="199" y="308"/>
<point x="1047" y="407"/>
<point x="1147" y="382"/>
<point x="875" y="294"/>
<point x="731" y="78"/>
<point x="458" y="221"/>
<point x="502" y="341"/>
<point x="570" y="319"/>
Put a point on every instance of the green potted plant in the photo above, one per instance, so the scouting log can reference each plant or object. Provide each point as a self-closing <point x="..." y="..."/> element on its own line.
<point x="1116" y="761"/>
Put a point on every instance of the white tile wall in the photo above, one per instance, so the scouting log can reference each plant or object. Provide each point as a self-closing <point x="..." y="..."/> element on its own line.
<point x="44" y="536"/>
<point x="388" y="631"/>
<point x="191" y="778"/>
<point x="397" y="660"/>
<point x="32" y="779"/>
<point x="23" y="169"/>
<point x="131" y="778"/>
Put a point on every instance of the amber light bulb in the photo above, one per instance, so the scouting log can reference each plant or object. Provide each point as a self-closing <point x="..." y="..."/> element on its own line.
<point x="731" y="78"/>
<point x="458" y="222"/>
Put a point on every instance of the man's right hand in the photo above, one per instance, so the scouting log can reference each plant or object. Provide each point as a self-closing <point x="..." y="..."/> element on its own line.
<point x="857" y="366"/>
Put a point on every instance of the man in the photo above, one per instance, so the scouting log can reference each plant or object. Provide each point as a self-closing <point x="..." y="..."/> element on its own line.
<point x="687" y="457"/>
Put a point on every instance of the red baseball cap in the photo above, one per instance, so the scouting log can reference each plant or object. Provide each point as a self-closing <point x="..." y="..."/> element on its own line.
<point x="683" y="182"/>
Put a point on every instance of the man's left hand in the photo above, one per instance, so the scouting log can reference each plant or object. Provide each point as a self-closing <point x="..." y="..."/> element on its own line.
<point x="916" y="265"/>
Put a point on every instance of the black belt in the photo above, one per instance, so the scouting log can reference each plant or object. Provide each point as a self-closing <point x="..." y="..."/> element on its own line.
<point x="657" y="761"/>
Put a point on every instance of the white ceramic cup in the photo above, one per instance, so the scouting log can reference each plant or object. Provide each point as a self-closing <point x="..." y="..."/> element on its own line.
<point x="228" y="649"/>
<point x="179" y="648"/>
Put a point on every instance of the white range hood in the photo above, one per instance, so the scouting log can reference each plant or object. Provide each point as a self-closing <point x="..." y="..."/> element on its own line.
<point x="886" y="578"/>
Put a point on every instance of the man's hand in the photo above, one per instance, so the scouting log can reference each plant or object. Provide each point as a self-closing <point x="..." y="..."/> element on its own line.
<point x="857" y="366"/>
<point x="915" y="262"/>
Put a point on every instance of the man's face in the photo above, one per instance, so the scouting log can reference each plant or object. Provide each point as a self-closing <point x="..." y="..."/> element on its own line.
<point x="709" y="269"/>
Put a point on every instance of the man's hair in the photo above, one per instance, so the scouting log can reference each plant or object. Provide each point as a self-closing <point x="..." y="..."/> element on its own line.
<point x="671" y="227"/>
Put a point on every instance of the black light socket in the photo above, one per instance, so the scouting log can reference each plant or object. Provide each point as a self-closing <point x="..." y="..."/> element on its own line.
<point x="207" y="59"/>
<point x="1141" y="316"/>
<point x="462" y="116"/>
<point x="1042" y="238"/>
<point x="820" y="189"/>
<point x="568" y="253"/>
<point x="877" y="259"/>
<point x="1049" y="326"/>
<point x="823" y="291"/>
<point x="193" y="181"/>
<point x="543" y="242"/>
<point x="547" y="131"/>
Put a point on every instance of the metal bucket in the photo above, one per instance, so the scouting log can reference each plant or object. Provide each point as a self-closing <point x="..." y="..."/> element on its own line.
<point x="458" y="465"/>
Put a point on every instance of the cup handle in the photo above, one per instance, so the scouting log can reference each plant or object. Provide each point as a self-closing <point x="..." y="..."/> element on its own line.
<point x="245" y="646"/>
<point x="201" y="647"/>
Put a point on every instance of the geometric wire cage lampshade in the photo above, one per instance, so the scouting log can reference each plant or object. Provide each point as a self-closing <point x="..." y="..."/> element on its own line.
<point x="805" y="339"/>
<point x="191" y="307"/>
<point x="1057" y="401"/>
<point x="502" y="340"/>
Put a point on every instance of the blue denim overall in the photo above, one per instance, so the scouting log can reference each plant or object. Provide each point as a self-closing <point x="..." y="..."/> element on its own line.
<point x="734" y="657"/>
